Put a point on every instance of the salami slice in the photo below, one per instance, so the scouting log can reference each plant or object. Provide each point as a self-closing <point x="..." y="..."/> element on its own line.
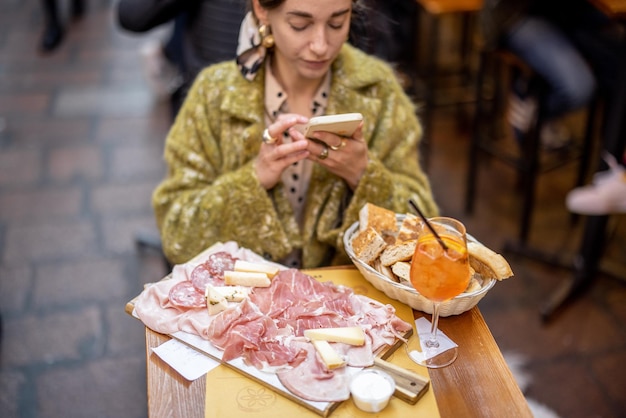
<point x="212" y="271"/>
<point x="185" y="295"/>
<point x="219" y="262"/>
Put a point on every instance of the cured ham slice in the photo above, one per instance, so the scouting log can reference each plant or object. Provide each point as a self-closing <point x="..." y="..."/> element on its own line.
<point x="357" y="356"/>
<point x="379" y="321"/>
<point x="225" y="322"/>
<point x="312" y="381"/>
<point x="157" y="311"/>
<point x="246" y="332"/>
<point x="298" y="301"/>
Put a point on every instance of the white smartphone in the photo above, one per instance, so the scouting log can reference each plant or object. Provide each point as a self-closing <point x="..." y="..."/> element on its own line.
<point x="343" y="125"/>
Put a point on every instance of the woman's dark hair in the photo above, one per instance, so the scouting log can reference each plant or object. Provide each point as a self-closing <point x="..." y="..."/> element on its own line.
<point x="358" y="23"/>
<point x="270" y="4"/>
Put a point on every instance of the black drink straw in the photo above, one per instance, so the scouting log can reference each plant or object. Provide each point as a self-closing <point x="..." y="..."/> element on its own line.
<point x="419" y="212"/>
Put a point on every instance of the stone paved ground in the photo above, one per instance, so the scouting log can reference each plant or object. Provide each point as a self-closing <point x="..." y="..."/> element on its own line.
<point x="81" y="139"/>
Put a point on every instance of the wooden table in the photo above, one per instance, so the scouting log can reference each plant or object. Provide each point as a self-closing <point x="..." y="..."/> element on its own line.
<point x="478" y="383"/>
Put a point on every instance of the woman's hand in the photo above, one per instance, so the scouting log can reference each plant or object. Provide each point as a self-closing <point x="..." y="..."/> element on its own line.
<point x="344" y="157"/>
<point x="274" y="158"/>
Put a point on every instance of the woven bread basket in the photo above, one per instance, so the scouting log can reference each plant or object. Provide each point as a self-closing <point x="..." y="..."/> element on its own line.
<point x="405" y="292"/>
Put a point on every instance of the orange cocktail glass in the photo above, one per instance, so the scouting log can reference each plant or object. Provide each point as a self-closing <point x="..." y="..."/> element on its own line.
<point x="440" y="274"/>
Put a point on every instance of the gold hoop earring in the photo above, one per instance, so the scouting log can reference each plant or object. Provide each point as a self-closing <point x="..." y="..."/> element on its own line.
<point x="267" y="39"/>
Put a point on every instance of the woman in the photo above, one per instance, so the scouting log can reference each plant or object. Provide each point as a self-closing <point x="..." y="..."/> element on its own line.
<point x="240" y="170"/>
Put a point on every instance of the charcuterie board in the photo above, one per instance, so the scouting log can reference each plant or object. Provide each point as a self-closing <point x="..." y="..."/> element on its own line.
<point x="346" y="277"/>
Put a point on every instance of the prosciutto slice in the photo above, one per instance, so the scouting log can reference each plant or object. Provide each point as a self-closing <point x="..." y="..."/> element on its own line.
<point x="298" y="301"/>
<point x="312" y="381"/>
<point x="155" y="309"/>
<point x="247" y="332"/>
<point x="379" y="321"/>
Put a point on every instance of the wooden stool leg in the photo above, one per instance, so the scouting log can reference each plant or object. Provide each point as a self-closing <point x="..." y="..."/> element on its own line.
<point x="531" y="162"/>
<point x="466" y="44"/>
<point x="531" y="155"/>
<point x="472" y="174"/>
<point x="585" y="152"/>
<point x="430" y="77"/>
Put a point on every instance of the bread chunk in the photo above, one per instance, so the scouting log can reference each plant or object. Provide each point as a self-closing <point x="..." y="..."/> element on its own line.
<point x="473" y="286"/>
<point x="487" y="262"/>
<point x="382" y="220"/>
<point x="384" y="270"/>
<point x="402" y="269"/>
<point x="409" y="229"/>
<point x="398" y="252"/>
<point x="368" y="244"/>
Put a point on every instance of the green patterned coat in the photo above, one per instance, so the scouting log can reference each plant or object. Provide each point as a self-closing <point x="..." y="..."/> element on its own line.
<point x="211" y="193"/>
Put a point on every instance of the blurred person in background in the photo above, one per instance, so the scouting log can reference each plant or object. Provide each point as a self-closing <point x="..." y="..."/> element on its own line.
<point x="204" y="33"/>
<point x="575" y="48"/>
<point x="53" y="31"/>
<point x="529" y="29"/>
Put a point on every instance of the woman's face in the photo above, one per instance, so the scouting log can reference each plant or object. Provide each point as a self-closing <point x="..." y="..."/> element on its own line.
<point x="308" y="34"/>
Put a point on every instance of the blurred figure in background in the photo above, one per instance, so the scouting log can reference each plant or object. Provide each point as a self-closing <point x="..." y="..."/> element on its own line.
<point x="204" y="32"/>
<point x="53" y="28"/>
<point x="386" y="29"/>
<point x="606" y="194"/>
<point x="528" y="29"/>
<point x="575" y="49"/>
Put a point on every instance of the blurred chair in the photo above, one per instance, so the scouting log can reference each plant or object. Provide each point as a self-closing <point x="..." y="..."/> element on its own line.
<point x="435" y="11"/>
<point x="386" y="29"/>
<point x="526" y="158"/>
<point x="145" y="241"/>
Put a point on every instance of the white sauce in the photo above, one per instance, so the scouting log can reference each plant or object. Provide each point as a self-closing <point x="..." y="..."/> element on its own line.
<point x="371" y="390"/>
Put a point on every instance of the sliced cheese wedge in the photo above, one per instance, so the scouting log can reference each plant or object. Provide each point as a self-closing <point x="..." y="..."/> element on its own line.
<point x="347" y="335"/>
<point x="215" y="301"/>
<point x="242" y="265"/>
<point x="233" y="293"/>
<point x="328" y="354"/>
<point x="245" y="278"/>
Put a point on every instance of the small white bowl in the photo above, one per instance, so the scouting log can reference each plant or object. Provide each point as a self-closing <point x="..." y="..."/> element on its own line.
<point x="371" y="390"/>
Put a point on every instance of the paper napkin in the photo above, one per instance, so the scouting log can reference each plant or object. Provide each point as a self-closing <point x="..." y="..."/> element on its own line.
<point x="423" y="331"/>
<point x="190" y="363"/>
